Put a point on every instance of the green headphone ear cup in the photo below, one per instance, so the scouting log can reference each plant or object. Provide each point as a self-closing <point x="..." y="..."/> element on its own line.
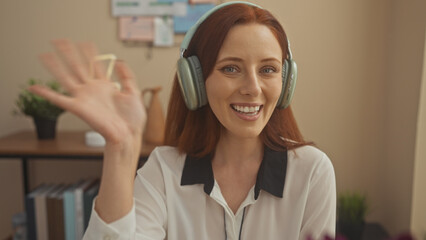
<point x="292" y="79"/>
<point x="191" y="82"/>
<point x="289" y="77"/>
<point x="186" y="84"/>
<point x="198" y="79"/>
<point x="284" y="83"/>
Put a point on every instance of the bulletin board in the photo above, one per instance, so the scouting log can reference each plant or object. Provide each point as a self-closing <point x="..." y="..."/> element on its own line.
<point x="157" y="21"/>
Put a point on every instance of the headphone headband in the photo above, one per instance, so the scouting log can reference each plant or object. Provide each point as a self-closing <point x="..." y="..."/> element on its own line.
<point x="193" y="29"/>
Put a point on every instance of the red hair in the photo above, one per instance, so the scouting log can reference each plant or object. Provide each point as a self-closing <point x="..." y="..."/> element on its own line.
<point x="197" y="132"/>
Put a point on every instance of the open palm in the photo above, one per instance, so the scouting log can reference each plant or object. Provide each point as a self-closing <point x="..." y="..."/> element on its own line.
<point x="115" y="113"/>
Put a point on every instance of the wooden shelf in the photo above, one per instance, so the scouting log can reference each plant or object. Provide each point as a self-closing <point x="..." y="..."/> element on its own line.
<point x="66" y="143"/>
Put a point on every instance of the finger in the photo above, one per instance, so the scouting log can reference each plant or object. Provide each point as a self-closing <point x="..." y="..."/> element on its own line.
<point x="126" y="76"/>
<point x="69" y="52"/>
<point x="56" y="98"/>
<point x="57" y="69"/>
<point x="90" y="51"/>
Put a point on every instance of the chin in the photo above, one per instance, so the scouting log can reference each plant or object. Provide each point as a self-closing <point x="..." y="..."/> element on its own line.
<point x="244" y="133"/>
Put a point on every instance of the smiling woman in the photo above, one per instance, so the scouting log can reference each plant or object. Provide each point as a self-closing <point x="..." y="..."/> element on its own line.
<point x="236" y="165"/>
<point x="183" y="126"/>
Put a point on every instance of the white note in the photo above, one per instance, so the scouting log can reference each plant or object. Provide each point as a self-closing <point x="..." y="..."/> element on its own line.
<point x="163" y="36"/>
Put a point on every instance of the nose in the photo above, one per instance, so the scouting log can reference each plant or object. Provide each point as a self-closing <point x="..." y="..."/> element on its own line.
<point x="251" y="84"/>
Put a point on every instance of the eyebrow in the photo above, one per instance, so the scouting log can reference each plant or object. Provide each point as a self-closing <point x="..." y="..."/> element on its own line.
<point x="270" y="59"/>
<point x="236" y="59"/>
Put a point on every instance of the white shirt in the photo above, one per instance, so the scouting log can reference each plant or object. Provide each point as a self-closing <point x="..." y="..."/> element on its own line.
<point x="176" y="197"/>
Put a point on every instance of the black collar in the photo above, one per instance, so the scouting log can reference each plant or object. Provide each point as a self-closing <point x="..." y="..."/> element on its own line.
<point x="271" y="175"/>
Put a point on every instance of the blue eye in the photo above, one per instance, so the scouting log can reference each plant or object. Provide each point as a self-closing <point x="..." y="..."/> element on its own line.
<point x="268" y="70"/>
<point x="229" y="69"/>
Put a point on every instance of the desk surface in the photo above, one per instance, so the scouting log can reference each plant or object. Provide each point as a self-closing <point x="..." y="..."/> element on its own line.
<point x="70" y="143"/>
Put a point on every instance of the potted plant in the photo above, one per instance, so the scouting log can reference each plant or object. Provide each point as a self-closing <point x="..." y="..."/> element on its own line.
<point x="351" y="211"/>
<point x="44" y="113"/>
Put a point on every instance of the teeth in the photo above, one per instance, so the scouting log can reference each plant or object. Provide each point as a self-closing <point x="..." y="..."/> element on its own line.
<point x="246" y="109"/>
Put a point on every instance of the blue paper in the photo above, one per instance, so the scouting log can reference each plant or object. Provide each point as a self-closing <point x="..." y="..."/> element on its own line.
<point x="193" y="13"/>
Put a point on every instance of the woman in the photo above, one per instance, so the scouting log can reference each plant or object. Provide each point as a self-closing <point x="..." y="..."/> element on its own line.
<point x="234" y="168"/>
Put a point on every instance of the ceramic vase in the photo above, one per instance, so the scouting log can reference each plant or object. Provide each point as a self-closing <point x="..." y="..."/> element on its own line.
<point x="155" y="124"/>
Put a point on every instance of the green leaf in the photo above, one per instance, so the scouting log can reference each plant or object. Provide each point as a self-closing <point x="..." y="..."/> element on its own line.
<point x="36" y="106"/>
<point x="351" y="208"/>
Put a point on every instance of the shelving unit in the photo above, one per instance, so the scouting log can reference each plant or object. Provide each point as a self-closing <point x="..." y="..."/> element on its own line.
<point x="25" y="146"/>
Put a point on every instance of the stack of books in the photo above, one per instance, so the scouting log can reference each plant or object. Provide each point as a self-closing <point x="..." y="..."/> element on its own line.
<point x="60" y="211"/>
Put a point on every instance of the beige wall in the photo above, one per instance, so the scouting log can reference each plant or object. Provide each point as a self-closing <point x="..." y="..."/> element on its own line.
<point x="404" y="72"/>
<point x="351" y="55"/>
<point x="418" y="209"/>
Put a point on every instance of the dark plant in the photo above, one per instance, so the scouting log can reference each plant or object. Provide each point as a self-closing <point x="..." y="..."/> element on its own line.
<point x="32" y="105"/>
<point x="351" y="208"/>
<point x="351" y="212"/>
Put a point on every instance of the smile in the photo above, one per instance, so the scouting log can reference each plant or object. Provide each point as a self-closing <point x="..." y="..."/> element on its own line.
<point x="247" y="110"/>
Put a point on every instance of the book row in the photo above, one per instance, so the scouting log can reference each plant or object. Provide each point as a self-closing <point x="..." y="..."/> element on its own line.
<point x="60" y="211"/>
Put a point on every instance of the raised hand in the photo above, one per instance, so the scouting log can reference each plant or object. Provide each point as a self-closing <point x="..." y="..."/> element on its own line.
<point x="115" y="113"/>
<point x="118" y="114"/>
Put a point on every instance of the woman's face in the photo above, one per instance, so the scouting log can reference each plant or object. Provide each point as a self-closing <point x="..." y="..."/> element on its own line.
<point x="245" y="84"/>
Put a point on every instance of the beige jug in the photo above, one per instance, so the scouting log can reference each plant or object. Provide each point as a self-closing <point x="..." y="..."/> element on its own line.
<point x="155" y="123"/>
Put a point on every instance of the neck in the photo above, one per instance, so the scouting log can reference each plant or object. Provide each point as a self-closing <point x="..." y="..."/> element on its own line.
<point x="234" y="151"/>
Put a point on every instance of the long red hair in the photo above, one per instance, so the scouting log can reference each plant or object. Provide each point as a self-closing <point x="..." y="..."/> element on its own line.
<point x="197" y="132"/>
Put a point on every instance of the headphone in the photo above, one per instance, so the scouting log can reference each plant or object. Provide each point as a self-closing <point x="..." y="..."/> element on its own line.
<point x="190" y="75"/>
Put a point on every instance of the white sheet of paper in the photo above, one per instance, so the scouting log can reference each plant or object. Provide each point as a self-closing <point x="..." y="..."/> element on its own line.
<point x="163" y="31"/>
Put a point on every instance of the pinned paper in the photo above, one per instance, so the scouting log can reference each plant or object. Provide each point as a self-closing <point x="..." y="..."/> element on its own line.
<point x="136" y="28"/>
<point x="193" y="13"/>
<point x="163" y="36"/>
<point x="140" y="8"/>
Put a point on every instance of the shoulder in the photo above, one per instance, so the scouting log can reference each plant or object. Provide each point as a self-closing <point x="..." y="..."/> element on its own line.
<point x="164" y="158"/>
<point x="311" y="159"/>
<point x="306" y="152"/>
<point x="165" y="152"/>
